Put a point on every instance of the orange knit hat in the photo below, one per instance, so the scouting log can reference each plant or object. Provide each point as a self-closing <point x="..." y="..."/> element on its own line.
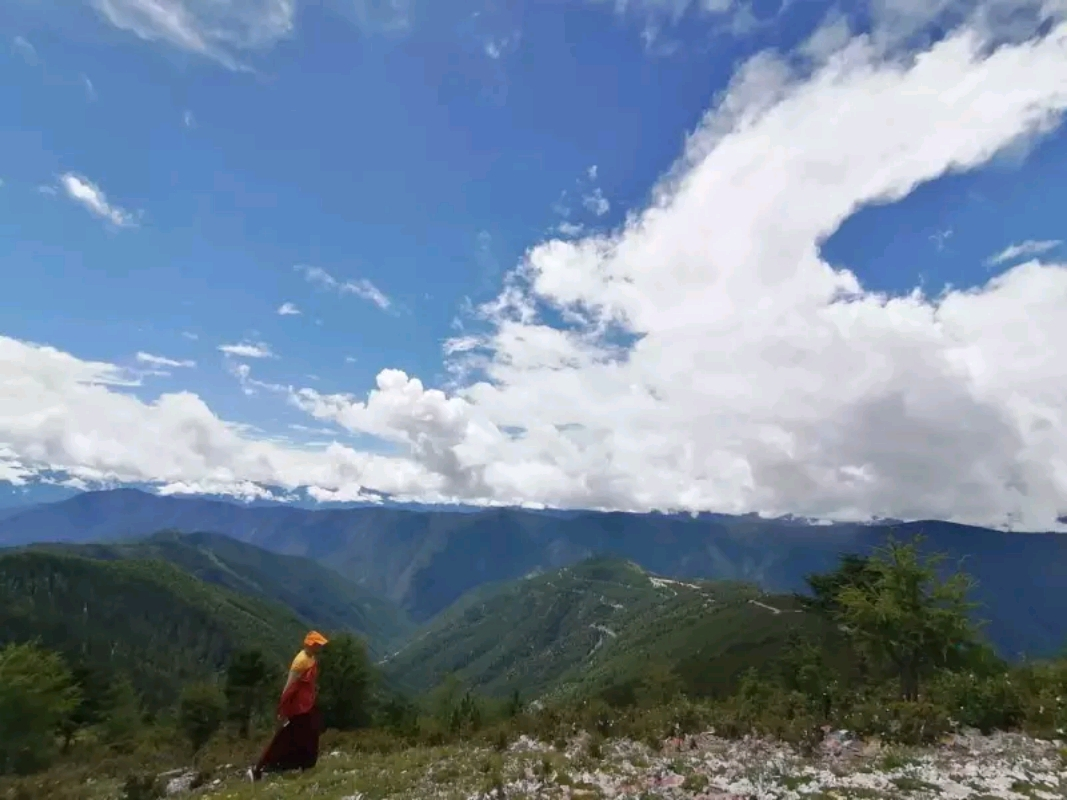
<point x="314" y="637"/>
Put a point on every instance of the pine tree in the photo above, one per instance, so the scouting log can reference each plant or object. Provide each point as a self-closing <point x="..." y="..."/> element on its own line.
<point x="346" y="678"/>
<point x="37" y="694"/>
<point x="123" y="716"/>
<point x="201" y="710"/>
<point x="907" y="617"/>
<point x="247" y="677"/>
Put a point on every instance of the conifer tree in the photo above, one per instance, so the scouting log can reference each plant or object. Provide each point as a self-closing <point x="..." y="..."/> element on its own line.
<point x="906" y="616"/>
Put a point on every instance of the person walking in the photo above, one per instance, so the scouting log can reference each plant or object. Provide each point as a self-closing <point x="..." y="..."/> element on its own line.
<point x="295" y="745"/>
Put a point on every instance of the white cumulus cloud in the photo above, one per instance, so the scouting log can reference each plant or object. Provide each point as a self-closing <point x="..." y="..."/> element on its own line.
<point x="288" y="310"/>
<point x="61" y="412"/>
<point x="760" y="377"/>
<point x="1027" y="249"/>
<point x="701" y="356"/>
<point x="86" y="193"/>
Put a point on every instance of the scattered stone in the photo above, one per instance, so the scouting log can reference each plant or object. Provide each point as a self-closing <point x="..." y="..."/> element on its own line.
<point x="704" y="767"/>
<point x="525" y="744"/>
<point x="179" y="781"/>
<point x="840" y="743"/>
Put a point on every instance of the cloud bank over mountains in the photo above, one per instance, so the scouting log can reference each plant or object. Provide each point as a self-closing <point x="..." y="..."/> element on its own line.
<point x="707" y="358"/>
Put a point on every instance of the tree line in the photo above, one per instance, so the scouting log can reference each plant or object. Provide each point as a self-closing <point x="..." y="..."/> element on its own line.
<point x="904" y="660"/>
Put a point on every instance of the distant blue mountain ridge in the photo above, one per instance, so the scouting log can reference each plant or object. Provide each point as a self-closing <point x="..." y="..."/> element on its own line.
<point x="425" y="558"/>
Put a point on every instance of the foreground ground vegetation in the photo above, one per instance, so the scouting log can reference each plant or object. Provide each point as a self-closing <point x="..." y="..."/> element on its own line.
<point x="896" y="695"/>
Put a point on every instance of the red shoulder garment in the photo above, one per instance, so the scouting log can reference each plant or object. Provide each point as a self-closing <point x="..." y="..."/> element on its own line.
<point x="300" y="697"/>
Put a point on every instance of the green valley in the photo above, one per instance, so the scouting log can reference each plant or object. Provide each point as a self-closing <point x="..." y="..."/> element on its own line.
<point x="600" y="626"/>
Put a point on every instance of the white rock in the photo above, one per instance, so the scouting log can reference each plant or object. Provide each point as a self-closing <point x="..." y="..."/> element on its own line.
<point x="180" y="783"/>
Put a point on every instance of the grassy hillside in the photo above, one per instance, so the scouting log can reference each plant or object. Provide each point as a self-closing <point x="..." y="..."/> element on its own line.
<point x="318" y="595"/>
<point x="149" y="619"/>
<point x="665" y="654"/>
<point x="601" y="623"/>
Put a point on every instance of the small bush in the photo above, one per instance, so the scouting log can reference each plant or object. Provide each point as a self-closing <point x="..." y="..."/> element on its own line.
<point x="41" y="787"/>
<point x="766" y="709"/>
<point x="598" y="717"/>
<point x="201" y="710"/>
<point x="687" y="718"/>
<point x="594" y="747"/>
<point x="398" y="715"/>
<point x="987" y="703"/>
<point x="377" y="741"/>
<point x="696" y="783"/>
<point x="142" y="787"/>
<point x="900" y="721"/>
<point x="1044" y="687"/>
<point x="432" y="732"/>
<point x="500" y="739"/>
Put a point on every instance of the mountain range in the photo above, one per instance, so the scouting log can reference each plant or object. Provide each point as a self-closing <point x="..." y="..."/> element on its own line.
<point x="425" y="560"/>
<point x="175" y="607"/>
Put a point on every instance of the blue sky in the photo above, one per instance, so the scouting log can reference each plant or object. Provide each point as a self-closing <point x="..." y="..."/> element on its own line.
<point x="413" y="160"/>
<point x="382" y="171"/>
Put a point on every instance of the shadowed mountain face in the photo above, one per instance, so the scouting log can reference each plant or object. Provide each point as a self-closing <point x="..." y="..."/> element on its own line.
<point x="425" y="560"/>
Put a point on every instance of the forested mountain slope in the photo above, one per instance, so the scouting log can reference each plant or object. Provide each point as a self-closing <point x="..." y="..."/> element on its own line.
<point x="148" y="620"/>
<point x="601" y="625"/>
<point x="318" y="595"/>
<point x="425" y="560"/>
